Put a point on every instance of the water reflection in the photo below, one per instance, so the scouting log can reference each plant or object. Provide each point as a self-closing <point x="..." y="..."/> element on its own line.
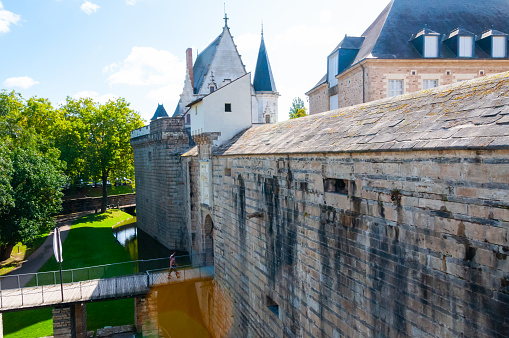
<point x="139" y="244"/>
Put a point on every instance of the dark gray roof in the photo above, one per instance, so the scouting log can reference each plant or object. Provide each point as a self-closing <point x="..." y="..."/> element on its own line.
<point x="392" y="30"/>
<point x="466" y="115"/>
<point x="263" y="78"/>
<point x="203" y="62"/>
<point x="160" y="112"/>
<point x="177" y="110"/>
<point x="349" y="42"/>
<point x="389" y="36"/>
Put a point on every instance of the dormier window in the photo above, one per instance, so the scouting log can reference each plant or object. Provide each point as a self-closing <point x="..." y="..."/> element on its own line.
<point x="465" y="48"/>
<point x="431" y="46"/>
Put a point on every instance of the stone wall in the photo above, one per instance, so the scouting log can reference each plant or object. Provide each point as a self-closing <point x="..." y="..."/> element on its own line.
<point x="412" y="72"/>
<point x="70" y="321"/>
<point x="94" y="203"/>
<point x="319" y="99"/>
<point x="414" y="243"/>
<point x="160" y="182"/>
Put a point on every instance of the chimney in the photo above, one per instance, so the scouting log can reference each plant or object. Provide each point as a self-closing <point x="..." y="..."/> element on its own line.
<point x="189" y="61"/>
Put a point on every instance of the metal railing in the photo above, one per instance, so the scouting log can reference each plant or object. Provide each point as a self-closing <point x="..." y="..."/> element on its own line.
<point x="98" y="272"/>
<point x="99" y="282"/>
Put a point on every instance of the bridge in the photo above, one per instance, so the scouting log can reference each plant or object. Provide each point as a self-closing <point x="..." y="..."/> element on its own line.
<point x="110" y="281"/>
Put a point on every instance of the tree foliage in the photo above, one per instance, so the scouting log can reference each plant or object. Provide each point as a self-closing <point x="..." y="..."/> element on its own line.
<point x="31" y="174"/>
<point x="42" y="147"/>
<point x="297" y="109"/>
<point x="100" y="139"/>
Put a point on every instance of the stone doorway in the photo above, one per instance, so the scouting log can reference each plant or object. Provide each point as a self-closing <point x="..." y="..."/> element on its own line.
<point x="209" y="240"/>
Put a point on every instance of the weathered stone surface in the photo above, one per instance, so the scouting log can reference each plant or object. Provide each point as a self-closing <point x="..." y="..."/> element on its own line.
<point x="385" y="219"/>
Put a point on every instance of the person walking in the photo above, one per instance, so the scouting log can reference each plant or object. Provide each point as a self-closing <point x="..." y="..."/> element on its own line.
<point x="173" y="266"/>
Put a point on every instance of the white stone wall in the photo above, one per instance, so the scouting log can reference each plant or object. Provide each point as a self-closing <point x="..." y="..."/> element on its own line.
<point x="209" y="115"/>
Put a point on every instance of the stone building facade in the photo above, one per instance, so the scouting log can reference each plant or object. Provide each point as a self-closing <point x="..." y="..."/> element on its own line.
<point x="384" y="219"/>
<point x="391" y="57"/>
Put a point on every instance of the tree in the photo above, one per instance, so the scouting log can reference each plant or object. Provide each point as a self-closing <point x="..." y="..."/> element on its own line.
<point x="30" y="176"/>
<point x="103" y="132"/>
<point x="297" y="109"/>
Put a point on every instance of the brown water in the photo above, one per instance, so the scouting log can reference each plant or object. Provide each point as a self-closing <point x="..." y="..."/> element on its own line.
<point x="179" y="313"/>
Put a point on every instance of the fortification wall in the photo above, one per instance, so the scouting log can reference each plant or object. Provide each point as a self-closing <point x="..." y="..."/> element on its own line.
<point x="416" y="245"/>
<point x="160" y="181"/>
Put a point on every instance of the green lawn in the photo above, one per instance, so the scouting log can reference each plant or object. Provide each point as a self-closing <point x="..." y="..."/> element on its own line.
<point x="90" y="242"/>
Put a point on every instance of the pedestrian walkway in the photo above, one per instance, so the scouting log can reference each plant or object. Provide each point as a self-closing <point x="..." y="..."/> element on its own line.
<point x="88" y="290"/>
<point x="45" y="251"/>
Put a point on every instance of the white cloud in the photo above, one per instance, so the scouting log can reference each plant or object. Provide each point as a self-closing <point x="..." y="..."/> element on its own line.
<point x="130" y="2"/>
<point x="248" y="42"/>
<point x="24" y="82"/>
<point x="6" y="19"/>
<point x="95" y="96"/>
<point x="89" y="8"/>
<point x="325" y="16"/>
<point x="146" y="66"/>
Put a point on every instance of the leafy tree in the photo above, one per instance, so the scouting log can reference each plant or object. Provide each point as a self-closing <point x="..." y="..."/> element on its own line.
<point x="103" y="133"/>
<point x="297" y="109"/>
<point x="30" y="176"/>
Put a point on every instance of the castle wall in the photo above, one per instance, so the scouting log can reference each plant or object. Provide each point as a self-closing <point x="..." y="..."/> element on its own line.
<point x="160" y="181"/>
<point x="416" y="245"/>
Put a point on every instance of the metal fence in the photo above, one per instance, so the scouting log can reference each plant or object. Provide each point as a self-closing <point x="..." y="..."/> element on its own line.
<point x="106" y="286"/>
<point x="98" y="272"/>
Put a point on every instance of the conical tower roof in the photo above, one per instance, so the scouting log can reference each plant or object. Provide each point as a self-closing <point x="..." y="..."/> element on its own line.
<point x="263" y="78"/>
<point x="160" y="112"/>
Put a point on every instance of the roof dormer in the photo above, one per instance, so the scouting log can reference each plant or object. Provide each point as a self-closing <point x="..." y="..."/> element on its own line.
<point x="494" y="43"/>
<point x="427" y="43"/>
<point x="461" y="42"/>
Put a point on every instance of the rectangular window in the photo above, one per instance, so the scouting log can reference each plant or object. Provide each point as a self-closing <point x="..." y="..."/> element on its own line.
<point x="228" y="107"/>
<point x="428" y="84"/>
<point x="337" y="186"/>
<point x="431" y="46"/>
<point x="273" y="306"/>
<point x="499" y="47"/>
<point x="465" y="46"/>
<point x="333" y="70"/>
<point x="188" y="119"/>
<point x="150" y="156"/>
<point x="333" y="102"/>
<point x="211" y="89"/>
<point x="395" y="87"/>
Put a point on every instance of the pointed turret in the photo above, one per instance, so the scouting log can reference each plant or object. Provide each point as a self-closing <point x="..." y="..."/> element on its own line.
<point x="265" y="89"/>
<point x="160" y="112"/>
<point x="263" y="78"/>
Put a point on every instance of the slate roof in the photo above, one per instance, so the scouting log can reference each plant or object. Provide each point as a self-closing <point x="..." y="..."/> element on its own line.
<point x="160" y="112"/>
<point x="466" y="115"/>
<point x="203" y="62"/>
<point x="263" y="78"/>
<point x="403" y="18"/>
<point x="388" y="37"/>
<point x="177" y="110"/>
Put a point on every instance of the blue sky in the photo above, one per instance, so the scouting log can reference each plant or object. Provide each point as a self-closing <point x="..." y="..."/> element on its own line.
<point x="136" y="48"/>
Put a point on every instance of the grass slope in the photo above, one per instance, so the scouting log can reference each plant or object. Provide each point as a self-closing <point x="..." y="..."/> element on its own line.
<point x="90" y="242"/>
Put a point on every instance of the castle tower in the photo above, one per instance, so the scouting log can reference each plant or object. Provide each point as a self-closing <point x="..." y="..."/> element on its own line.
<point x="265" y="88"/>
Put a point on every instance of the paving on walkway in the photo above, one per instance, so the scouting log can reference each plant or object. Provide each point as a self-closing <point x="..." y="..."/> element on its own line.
<point x="88" y="290"/>
<point x="45" y="251"/>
